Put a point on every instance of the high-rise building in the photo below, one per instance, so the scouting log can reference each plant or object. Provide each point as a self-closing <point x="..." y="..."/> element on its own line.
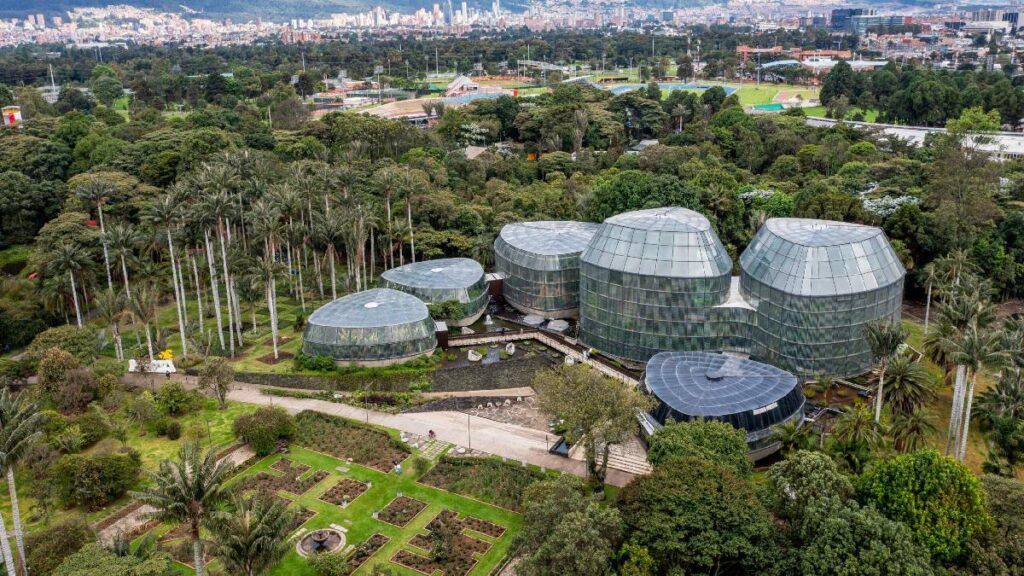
<point x="841" y="17"/>
<point x="41" y="20"/>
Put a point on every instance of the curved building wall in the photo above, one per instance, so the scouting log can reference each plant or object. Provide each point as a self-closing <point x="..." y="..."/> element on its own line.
<point x="374" y="327"/>
<point x="436" y="281"/>
<point x="540" y="262"/>
<point x="815" y="285"/>
<point x="647" y="282"/>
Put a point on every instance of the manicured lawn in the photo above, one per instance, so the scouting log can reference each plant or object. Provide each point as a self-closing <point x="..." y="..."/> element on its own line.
<point x="358" y="519"/>
<point x="870" y="115"/>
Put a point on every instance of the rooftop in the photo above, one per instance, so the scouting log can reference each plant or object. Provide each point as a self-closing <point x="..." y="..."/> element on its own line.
<point x="371" y="309"/>
<point x="549" y="237"/>
<point x="713" y="385"/>
<point x="446" y="273"/>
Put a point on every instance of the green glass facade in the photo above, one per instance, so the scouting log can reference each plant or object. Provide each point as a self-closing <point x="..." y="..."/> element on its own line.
<point x="444" y="280"/>
<point x="815" y="285"/>
<point x="371" y="326"/>
<point x="648" y="281"/>
<point x="540" y="262"/>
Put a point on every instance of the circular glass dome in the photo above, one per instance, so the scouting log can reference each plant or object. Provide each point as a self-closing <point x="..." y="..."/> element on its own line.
<point x="540" y="262"/>
<point x="372" y="327"/>
<point x="436" y="281"/>
<point x="647" y="281"/>
<point x="815" y="284"/>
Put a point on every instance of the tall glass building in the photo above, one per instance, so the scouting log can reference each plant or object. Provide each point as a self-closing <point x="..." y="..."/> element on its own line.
<point x="751" y="396"/>
<point x="437" y="281"/>
<point x="372" y="328"/>
<point x="647" y="282"/>
<point x="540" y="262"/>
<point x="815" y="284"/>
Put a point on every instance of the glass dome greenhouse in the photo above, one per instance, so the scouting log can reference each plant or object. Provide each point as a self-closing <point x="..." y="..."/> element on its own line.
<point x="374" y="327"/>
<point x="540" y="262"/>
<point x="815" y="284"/>
<point x="647" y="282"/>
<point x="437" y="281"/>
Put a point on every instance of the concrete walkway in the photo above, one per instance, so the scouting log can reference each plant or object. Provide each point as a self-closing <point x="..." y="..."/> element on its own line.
<point x="506" y="440"/>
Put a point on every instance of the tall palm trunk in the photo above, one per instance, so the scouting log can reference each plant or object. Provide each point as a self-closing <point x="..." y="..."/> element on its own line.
<point x="227" y="285"/>
<point x="319" y="275"/>
<point x="962" y="452"/>
<point x="118" y="346"/>
<point x="927" y="308"/>
<point x="412" y="235"/>
<point x="74" y="298"/>
<point x="302" y="287"/>
<point x="149" y="341"/>
<point x="124" y="274"/>
<point x="880" y="399"/>
<point x="197" y="552"/>
<point x="233" y="292"/>
<point x="199" y="291"/>
<point x="5" y="546"/>
<point x="334" y="280"/>
<point x="19" y="538"/>
<point x="955" y="412"/>
<point x="106" y="253"/>
<point x="214" y="288"/>
<point x="391" y="240"/>
<point x="178" y="295"/>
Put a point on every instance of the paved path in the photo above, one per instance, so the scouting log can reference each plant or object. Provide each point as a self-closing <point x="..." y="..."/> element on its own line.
<point x="506" y="440"/>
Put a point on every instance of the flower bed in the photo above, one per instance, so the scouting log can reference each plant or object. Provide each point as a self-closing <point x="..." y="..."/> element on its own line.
<point x="511" y="373"/>
<point x="451" y="518"/>
<point x="302" y="516"/>
<point x="271" y="483"/>
<point x="346" y="490"/>
<point x="487" y="479"/>
<point x="364" y="551"/>
<point x="400" y="511"/>
<point x="345" y="439"/>
<point x="289" y="468"/>
<point x="462" y="550"/>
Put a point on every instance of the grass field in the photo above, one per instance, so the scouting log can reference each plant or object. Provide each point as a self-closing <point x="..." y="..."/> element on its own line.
<point x="870" y="115"/>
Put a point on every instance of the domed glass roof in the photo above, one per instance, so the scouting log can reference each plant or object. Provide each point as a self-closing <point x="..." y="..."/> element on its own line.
<point x="371" y="309"/>
<point x="715" y="385"/>
<point x="549" y="237"/>
<point x="446" y="273"/>
<point x="821" y="258"/>
<point x="670" y="242"/>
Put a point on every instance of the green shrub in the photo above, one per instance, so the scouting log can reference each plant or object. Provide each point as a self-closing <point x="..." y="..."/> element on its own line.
<point x="69" y="440"/>
<point x="175" y="400"/>
<point x="160" y="425"/>
<point x="54" y="365"/>
<point x="318" y="363"/>
<point x="263" y="428"/>
<point x="173" y="430"/>
<point x="78" y="341"/>
<point x="46" y="548"/>
<point x="93" y="481"/>
<point x="449" y="310"/>
<point x="93" y="424"/>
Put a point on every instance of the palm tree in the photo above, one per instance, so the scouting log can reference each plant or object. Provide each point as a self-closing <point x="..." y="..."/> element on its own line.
<point x="142" y="306"/>
<point x="330" y="232"/>
<point x="188" y="491"/>
<point x="110" y="307"/>
<point x="251" y="538"/>
<point x="20" y="424"/>
<point x="70" y="258"/>
<point x="267" y="224"/>
<point x="123" y="239"/>
<point x="929" y="275"/>
<point x="908" y="385"/>
<point x="96" y="191"/>
<point x="909" y="431"/>
<point x="1004" y="400"/>
<point x="975" y="350"/>
<point x="165" y="211"/>
<point x="884" y="338"/>
<point x="792" y="436"/>
<point x="856" y="425"/>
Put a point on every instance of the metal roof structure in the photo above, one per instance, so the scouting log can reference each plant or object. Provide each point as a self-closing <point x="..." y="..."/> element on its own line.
<point x="749" y="395"/>
<point x="821" y="258"/>
<point x="667" y="242"/>
<point x="549" y="237"/>
<point x="371" y="309"/>
<point x="443" y="274"/>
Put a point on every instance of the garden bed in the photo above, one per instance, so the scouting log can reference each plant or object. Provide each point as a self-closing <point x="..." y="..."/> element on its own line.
<point x="400" y="511"/>
<point x="488" y="479"/>
<point x="462" y="550"/>
<point x="289" y="468"/>
<point x="281" y="357"/>
<point x="345" y="439"/>
<point x="344" y="492"/>
<point x="363" y="552"/>
<point x="272" y="483"/>
<point x="301" y="517"/>
<point x="512" y="373"/>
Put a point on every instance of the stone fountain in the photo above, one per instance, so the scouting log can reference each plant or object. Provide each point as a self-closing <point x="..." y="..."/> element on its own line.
<point x="320" y="541"/>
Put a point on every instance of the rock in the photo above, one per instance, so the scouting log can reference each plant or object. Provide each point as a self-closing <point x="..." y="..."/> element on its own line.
<point x="519" y="398"/>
